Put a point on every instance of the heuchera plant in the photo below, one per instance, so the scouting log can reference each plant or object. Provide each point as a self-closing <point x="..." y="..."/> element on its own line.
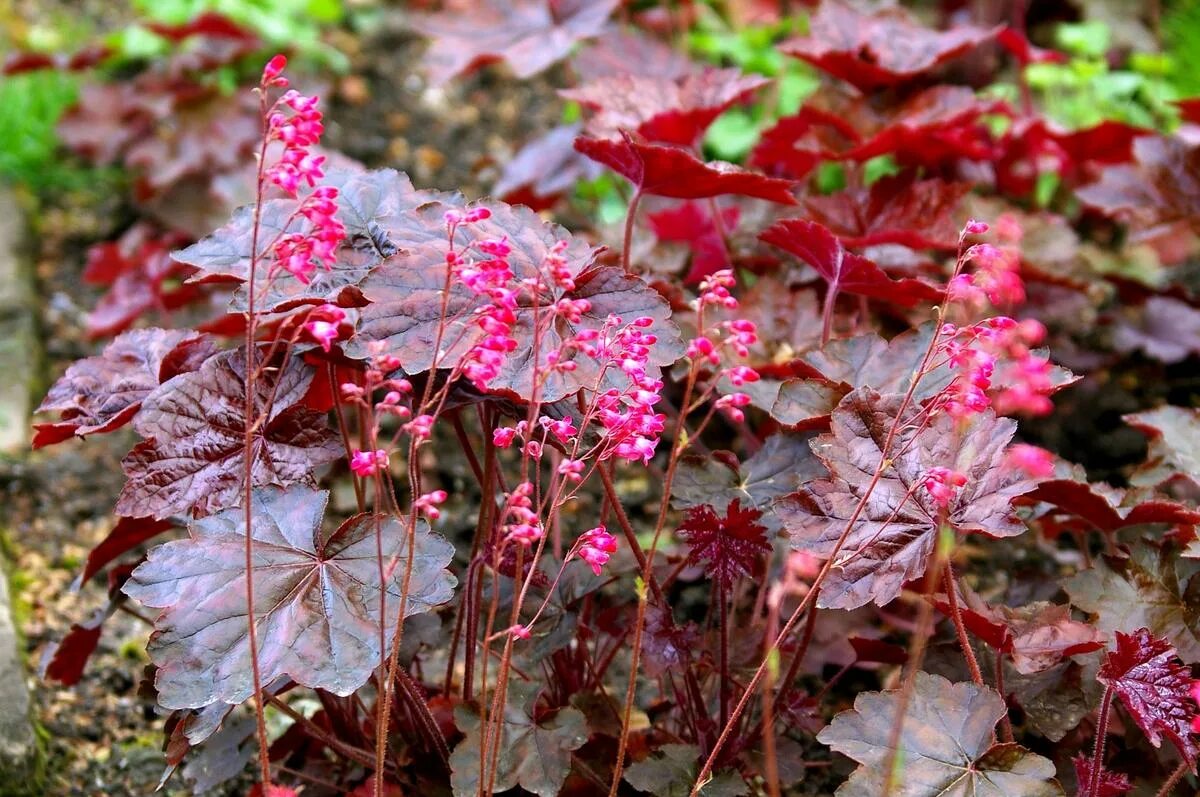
<point x="731" y="512"/>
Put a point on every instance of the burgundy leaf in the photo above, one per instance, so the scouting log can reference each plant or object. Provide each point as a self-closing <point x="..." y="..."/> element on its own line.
<point x="545" y="169"/>
<point x="127" y="534"/>
<point x="921" y="214"/>
<point x="1154" y="688"/>
<point x="206" y="24"/>
<point x="103" y="393"/>
<point x="947" y="744"/>
<point x="892" y="539"/>
<point x="666" y="170"/>
<point x="1162" y="187"/>
<point x="528" y="35"/>
<point x="1112" y="784"/>
<point x="192" y="460"/>
<point x="64" y="661"/>
<point x="316" y="597"/>
<point x="1037" y="636"/>
<point x="882" y="49"/>
<point x="934" y="129"/>
<point x="692" y="224"/>
<point x="665" y="644"/>
<point x="729" y="547"/>
<point x="1102" y="508"/>
<point x="141" y="278"/>
<point x="794" y="145"/>
<point x="670" y="110"/>
<point x="405" y="292"/>
<point x="845" y="272"/>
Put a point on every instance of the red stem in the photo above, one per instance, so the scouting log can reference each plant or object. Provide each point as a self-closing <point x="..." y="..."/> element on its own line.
<point x="1098" y="750"/>
<point x="630" y="215"/>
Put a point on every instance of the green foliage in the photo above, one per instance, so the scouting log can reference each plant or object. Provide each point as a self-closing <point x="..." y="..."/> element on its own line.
<point x="30" y="106"/>
<point x="292" y="24"/>
<point x="753" y="49"/>
<point x="1181" y="35"/>
<point x="1085" y="90"/>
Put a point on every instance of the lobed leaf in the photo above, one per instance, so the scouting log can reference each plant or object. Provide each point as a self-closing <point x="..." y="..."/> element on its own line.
<point x="193" y="460"/>
<point x="316" y="598"/>
<point x="947" y="746"/>
<point x="895" y="534"/>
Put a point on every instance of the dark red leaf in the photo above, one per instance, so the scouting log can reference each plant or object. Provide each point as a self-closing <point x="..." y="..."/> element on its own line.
<point x="545" y="169"/>
<point x="1162" y="187"/>
<point x="670" y="110"/>
<point x="845" y="272"/>
<point x="528" y="35"/>
<point x="665" y="170"/>
<point x="921" y="214"/>
<point x="691" y="223"/>
<point x="882" y="49"/>
<point x="1189" y="110"/>
<point x="1154" y="688"/>
<point x="317" y="597"/>
<point x="1037" y="636"/>
<point x="405" y="292"/>
<point x="192" y="460"/>
<point x="86" y="58"/>
<point x="1017" y="43"/>
<point x="794" y="145"/>
<point x="103" y="393"/>
<point x="894" y="536"/>
<point x="127" y="534"/>
<point x="1112" y="784"/>
<point x="729" y="547"/>
<point x="873" y="651"/>
<point x="1101" y="505"/>
<point x="208" y="23"/>
<point x="64" y="661"/>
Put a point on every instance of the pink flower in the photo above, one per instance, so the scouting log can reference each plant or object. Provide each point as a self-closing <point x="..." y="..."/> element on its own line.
<point x="368" y="463"/>
<point x="596" y="546"/>
<point x="571" y="470"/>
<point x="1036" y="462"/>
<point x="420" y="427"/>
<point x="273" y="70"/>
<point x="323" y="324"/>
<point x="943" y="485"/>
<point x="428" y="503"/>
<point x="519" y="631"/>
<point x="504" y="436"/>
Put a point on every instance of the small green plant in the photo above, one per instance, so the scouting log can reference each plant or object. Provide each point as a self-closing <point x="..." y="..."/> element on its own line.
<point x="1085" y="90"/>
<point x="30" y="105"/>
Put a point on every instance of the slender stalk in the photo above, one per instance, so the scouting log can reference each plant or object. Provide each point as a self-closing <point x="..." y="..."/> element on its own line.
<point x="1006" y="728"/>
<point x="248" y="454"/>
<point x="960" y="628"/>
<point x="723" y="611"/>
<point x="630" y="215"/>
<point x="827" y="315"/>
<point x="1173" y="781"/>
<point x="1101" y="734"/>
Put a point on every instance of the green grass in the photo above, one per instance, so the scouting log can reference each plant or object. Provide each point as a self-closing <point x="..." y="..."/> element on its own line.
<point x="30" y="106"/>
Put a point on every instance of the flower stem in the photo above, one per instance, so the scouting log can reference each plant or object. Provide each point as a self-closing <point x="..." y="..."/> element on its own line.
<point x="1098" y="749"/>
<point x="630" y="216"/>
<point x="1173" y="781"/>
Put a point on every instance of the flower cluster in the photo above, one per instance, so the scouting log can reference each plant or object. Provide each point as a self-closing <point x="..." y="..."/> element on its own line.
<point x="524" y="527"/>
<point x="1033" y="461"/>
<point x="738" y="334"/>
<point x="595" y="546"/>
<point x="298" y="129"/>
<point x="631" y="427"/>
<point x="976" y="352"/>
<point x="996" y="278"/>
